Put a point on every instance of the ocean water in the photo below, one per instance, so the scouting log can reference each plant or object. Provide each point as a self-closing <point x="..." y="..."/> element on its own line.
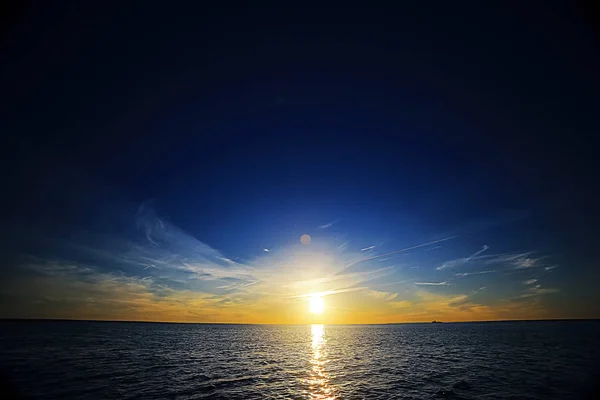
<point x="111" y="360"/>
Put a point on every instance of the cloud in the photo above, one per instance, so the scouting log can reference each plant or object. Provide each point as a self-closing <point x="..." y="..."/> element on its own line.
<point x="330" y="292"/>
<point x="476" y="273"/>
<point x="354" y="278"/>
<point x="550" y="267"/>
<point x="385" y="296"/>
<point x="505" y="258"/>
<point x="397" y="251"/>
<point x="484" y="248"/>
<point x="162" y="252"/>
<point x="536" y="290"/>
<point x="466" y="300"/>
<point x="445" y="283"/>
<point x="516" y="260"/>
<point x="525" y="262"/>
<point x="329" y="224"/>
<point x="451" y="264"/>
<point x="67" y="290"/>
<point x="530" y="281"/>
<point x="461" y="301"/>
<point x="173" y="252"/>
<point x="395" y="282"/>
<point x="149" y="269"/>
<point x="217" y="289"/>
<point x="464" y="260"/>
<point x="434" y="248"/>
<point x="238" y="286"/>
<point x="343" y="246"/>
<point x="427" y="306"/>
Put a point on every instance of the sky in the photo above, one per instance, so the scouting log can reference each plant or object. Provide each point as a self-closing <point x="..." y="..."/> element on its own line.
<point x="163" y="164"/>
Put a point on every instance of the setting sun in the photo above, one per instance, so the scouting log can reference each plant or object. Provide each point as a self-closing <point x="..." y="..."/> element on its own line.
<point x="316" y="304"/>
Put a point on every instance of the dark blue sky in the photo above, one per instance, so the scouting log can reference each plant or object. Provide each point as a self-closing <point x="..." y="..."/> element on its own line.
<point x="247" y="127"/>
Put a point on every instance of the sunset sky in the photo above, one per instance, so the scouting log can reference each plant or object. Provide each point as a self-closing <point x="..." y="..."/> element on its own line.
<point x="166" y="167"/>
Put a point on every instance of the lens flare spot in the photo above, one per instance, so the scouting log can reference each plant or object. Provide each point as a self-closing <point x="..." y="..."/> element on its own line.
<point x="305" y="239"/>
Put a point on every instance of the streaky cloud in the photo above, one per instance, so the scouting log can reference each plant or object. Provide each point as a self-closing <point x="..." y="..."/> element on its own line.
<point x="516" y="260"/>
<point x="536" y="290"/>
<point x="506" y="257"/>
<point x="484" y="248"/>
<point x="329" y="224"/>
<point x="460" y="261"/>
<point x="395" y="283"/>
<point x="396" y="252"/>
<point x="329" y="292"/>
<point x="385" y="296"/>
<point x="435" y="248"/>
<point x="526" y="262"/>
<point x="476" y="273"/>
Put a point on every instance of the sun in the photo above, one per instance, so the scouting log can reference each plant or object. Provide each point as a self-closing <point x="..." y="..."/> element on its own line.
<point x="316" y="304"/>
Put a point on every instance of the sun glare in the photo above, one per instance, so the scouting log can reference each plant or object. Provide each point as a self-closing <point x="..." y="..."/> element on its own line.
<point x="316" y="304"/>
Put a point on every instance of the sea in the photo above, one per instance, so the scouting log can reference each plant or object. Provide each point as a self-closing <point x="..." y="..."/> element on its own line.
<point x="135" y="360"/>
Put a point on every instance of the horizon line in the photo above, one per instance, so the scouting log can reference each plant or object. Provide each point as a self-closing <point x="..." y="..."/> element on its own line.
<point x="25" y="319"/>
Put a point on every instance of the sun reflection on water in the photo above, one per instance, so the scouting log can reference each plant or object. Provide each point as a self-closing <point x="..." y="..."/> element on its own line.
<point x="318" y="380"/>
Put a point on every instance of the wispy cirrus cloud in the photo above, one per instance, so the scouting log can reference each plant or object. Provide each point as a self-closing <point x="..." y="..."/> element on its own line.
<point x="466" y="300"/>
<point x="141" y="265"/>
<point x="484" y="248"/>
<point x="62" y="289"/>
<point x="394" y="283"/>
<point x="169" y="270"/>
<point x="536" y="290"/>
<point x="476" y="273"/>
<point x="329" y="224"/>
<point x="237" y="286"/>
<point x="427" y="306"/>
<point x="330" y="292"/>
<point x="461" y="261"/>
<point x="505" y="258"/>
<point x="343" y="246"/>
<point x="162" y="253"/>
<point x="526" y="262"/>
<point x="434" y="248"/>
<point x="513" y="260"/>
<point x="444" y="283"/>
<point x="397" y="251"/>
<point x="385" y="296"/>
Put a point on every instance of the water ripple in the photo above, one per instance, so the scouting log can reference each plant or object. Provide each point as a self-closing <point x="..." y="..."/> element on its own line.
<point x="94" y="360"/>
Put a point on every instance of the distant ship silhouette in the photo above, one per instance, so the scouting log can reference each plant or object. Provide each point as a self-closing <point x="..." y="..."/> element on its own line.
<point x="436" y="322"/>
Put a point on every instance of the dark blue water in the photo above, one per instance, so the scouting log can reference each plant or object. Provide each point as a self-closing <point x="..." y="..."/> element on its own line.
<point x="98" y="360"/>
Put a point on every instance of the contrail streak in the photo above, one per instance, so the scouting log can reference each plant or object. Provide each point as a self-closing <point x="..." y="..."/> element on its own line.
<point x="484" y="248"/>
<point x="397" y="251"/>
<point x="329" y="292"/>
